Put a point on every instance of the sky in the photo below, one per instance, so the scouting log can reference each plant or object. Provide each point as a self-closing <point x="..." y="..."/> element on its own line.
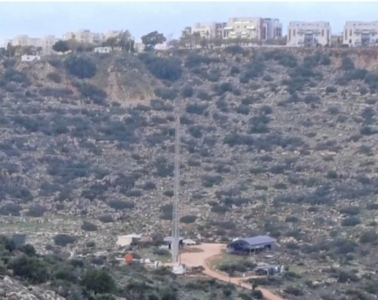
<point x="37" y="19"/>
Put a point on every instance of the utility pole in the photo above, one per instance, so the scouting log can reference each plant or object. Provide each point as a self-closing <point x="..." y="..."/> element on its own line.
<point x="175" y="244"/>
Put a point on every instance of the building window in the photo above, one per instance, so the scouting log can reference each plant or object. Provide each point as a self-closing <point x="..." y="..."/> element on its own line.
<point x="293" y="32"/>
<point x="346" y="34"/>
<point x="350" y="32"/>
<point x="289" y="34"/>
<point x="322" y="32"/>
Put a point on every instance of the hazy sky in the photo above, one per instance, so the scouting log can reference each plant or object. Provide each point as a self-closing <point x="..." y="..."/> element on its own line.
<point x="43" y="18"/>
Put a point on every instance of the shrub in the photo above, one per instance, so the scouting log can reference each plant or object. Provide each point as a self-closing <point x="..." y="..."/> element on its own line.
<point x="120" y="205"/>
<point x="235" y="49"/>
<point x="368" y="237"/>
<point x="350" y="222"/>
<point x="9" y="63"/>
<point x="330" y="89"/>
<point x="167" y="211"/>
<point x="187" y="91"/>
<point x="211" y="180"/>
<point x="13" y="75"/>
<point x="194" y="60"/>
<point x="222" y="88"/>
<point x="347" y="63"/>
<point x="55" y="62"/>
<point x="97" y="95"/>
<point x="350" y="210"/>
<point x="19" y="239"/>
<point x="98" y="281"/>
<point x="196" y="108"/>
<point x="106" y="219"/>
<point x="88" y="226"/>
<point x="36" y="211"/>
<point x="54" y="77"/>
<point x="188" y="219"/>
<point x="80" y="66"/>
<point x="165" y="93"/>
<point x="161" y="68"/>
<point x="243" y="109"/>
<point x="203" y="95"/>
<point x="64" y="239"/>
<point x="10" y="209"/>
<point x="30" y="268"/>
<point x="268" y="78"/>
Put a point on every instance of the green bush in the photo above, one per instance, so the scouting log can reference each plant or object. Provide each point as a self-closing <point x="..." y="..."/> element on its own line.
<point x="97" y="95"/>
<point x="187" y="91"/>
<point x="88" y="226"/>
<point x="36" y="211"/>
<point x="54" y="77"/>
<point x="347" y="63"/>
<point x="368" y="237"/>
<point x="64" y="239"/>
<point x="12" y="75"/>
<point x="162" y="68"/>
<point x="98" y="281"/>
<point x="165" y="93"/>
<point x="330" y="89"/>
<point x="194" y="60"/>
<point x="30" y="268"/>
<point x="80" y="66"/>
<point x="188" y="219"/>
<point x="120" y="205"/>
<point x="350" y="222"/>
<point x="235" y="49"/>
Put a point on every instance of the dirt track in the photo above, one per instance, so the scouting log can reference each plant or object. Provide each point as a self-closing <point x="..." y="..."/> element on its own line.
<point x="211" y="251"/>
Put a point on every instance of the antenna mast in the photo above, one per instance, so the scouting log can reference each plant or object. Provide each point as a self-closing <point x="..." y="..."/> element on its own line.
<point x="175" y="215"/>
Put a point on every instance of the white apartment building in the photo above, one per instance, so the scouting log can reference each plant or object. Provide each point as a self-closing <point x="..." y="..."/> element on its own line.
<point x="24" y="41"/>
<point x="360" y="34"/>
<point x="208" y="29"/>
<point x="85" y="36"/>
<point x="43" y="45"/>
<point x="256" y="28"/>
<point x="47" y="43"/>
<point x="308" y="34"/>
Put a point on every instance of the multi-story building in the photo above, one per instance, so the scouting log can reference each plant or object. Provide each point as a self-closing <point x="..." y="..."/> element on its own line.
<point x="85" y="37"/>
<point x="24" y="41"/>
<point x="208" y="29"/>
<point x="47" y="43"/>
<point x="360" y="34"/>
<point x="255" y="28"/>
<point x="308" y="34"/>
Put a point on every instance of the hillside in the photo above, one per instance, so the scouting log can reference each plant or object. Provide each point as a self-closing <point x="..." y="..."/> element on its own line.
<point x="274" y="142"/>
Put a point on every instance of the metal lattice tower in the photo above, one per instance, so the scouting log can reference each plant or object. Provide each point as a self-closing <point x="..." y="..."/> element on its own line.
<point x="176" y="215"/>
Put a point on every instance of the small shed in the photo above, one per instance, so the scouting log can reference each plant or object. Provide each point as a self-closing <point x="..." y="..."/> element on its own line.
<point x="127" y="240"/>
<point x="251" y="245"/>
<point x="29" y="58"/>
<point x="103" y="49"/>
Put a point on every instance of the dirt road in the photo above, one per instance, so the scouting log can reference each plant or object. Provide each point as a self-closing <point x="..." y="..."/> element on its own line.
<point x="209" y="252"/>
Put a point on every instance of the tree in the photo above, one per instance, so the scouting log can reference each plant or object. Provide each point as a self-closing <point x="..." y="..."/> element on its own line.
<point x="81" y="67"/>
<point x="61" y="46"/>
<point x="98" y="281"/>
<point x="152" y="39"/>
<point x="30" y="268"/>
<point x="11" y="50"/>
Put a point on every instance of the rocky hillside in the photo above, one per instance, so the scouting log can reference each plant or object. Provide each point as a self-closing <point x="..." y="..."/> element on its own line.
<point x="273" y="142"/>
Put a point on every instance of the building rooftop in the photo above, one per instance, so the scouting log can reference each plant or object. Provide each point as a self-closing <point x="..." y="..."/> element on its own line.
<point x="259" y="240"/>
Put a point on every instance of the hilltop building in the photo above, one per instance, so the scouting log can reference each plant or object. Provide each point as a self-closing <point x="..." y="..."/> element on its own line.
<point x="308" y="34"/>
<point x="360" y="34"/>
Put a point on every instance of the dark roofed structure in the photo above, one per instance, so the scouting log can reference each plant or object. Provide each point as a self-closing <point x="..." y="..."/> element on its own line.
<point x="251" y="245"/>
